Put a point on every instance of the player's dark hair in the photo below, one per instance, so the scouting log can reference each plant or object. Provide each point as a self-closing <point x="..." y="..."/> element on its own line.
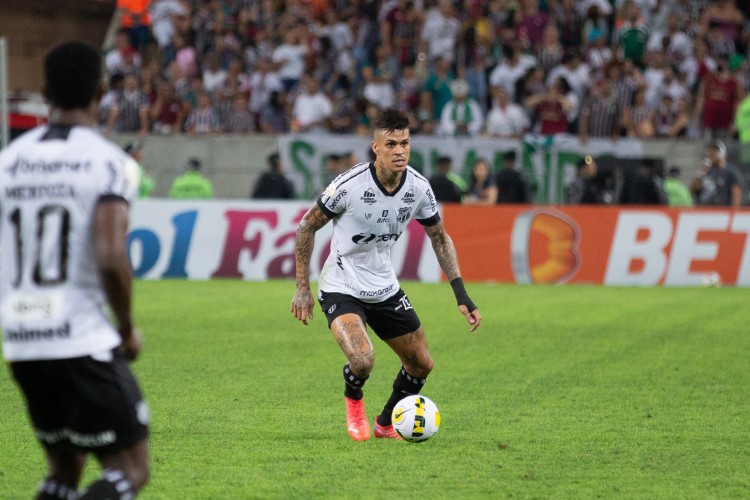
<point x="390" y="119"/>
<point x="71" y="74"/>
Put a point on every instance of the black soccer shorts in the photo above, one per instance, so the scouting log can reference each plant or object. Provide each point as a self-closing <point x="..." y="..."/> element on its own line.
<point x="391" y="318"/>
<point x="95" y="405"/>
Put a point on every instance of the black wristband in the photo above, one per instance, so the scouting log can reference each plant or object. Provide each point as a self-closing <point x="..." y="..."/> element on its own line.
<point x="461" y="296"/>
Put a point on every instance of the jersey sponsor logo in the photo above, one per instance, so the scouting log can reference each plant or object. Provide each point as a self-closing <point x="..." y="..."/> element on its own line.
<point x="365" y="238"/>
<point x="431" y="199"/>
<point x="26" y="166"/>
<point x="376" y="293"/>
<point x="369" y="196"/>
<point x="23" y="334"/>
<point x="403" y="214"/>
<point x="335" y="201"/>
<point x="383" y="217"/>
<point x="409" y="197"/>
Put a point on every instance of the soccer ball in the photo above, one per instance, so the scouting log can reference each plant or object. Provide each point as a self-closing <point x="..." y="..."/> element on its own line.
<point x="416" y="418"/>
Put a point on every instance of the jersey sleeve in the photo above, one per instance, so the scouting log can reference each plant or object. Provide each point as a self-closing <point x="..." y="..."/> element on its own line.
<point x="428" y="215"/>
<point x="333" y="200"/>
<point x="120" y="179"/>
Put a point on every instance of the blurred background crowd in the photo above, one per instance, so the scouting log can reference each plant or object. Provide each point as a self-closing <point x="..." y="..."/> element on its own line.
<point x="498" y="68"/>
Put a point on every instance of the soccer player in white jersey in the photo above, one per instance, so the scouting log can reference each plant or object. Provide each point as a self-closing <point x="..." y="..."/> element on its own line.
<point x="370" y="205"/>
<point x="64" y="195"/>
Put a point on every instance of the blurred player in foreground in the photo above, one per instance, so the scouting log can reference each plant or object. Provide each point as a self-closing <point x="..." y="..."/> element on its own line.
<point x="370" y="205"/>
<point x="63" y="223"/>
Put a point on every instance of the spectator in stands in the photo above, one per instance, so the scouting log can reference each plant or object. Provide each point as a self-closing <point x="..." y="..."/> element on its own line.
<point x="673" y="41"/>
<point x="273" y="116"/>
<point x="718" y="96"/>
<point x="239" y="120"/>
<point x="678" y="195"/>
<point x="511" y="185"/>
<point x="379" y="76"/>
<point x="185" y="56"/>
<point x="551" y="110"/>
<point x="482" y="189"/>
<point x="600" y="113"/>
<point x="598" y="54"/>
<point x="263" y="82"/>
<point x="569" y="21"/>
<point x="699" y="65"/>
<point x="653" y="76"/>
<point x="718" y="183"/>
<point x="584" y="189"/>
<point x="437" y="88"/>
<point x="167" y="112"/>
<point x="136" y="21"/>
<point x="672" y="120"/>
<point x="575" y="72"/>
<point x="312" y="108"/>
<point x="110" y="98"/>
<point x="273" y="184"/>
<point x="440" y="33"/>
<point x="531" y="22"/>
<point x="290" y="58"/>
<point x="506" y="119"/>
<point x="192" y="184"/>
<point x="550" y="51"/>
<point x="204" y="119"/>
<point x="129" y="111"/>
<point x="344" y="113"/>
<point x="123" y="58"/>
<point x="447" y="186"/>
<point x="462" y="115"/>
<point x="725" y="16"/>
<point x="514" y="66"/>
<point x="214" y="75"/>
<point x="638" y="118"/>
<point x="632" y="33"/>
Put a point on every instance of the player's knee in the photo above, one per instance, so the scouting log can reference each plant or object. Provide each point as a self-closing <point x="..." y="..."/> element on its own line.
<point x="421" y="366"/>
<point x="139" y="475"/>
<point x="361" y="363"/>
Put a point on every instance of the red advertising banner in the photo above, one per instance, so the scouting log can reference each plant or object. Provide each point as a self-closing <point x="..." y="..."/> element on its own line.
<point x="605" y="245"/>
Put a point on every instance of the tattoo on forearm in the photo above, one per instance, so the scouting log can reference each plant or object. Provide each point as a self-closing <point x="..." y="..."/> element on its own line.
<point x="444" y="250"/>
<point x="313" y="220"/>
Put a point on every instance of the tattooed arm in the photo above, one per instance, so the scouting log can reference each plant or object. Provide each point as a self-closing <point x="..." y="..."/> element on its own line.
<point x="446" y="257"/>
<point x="302" y="303"/>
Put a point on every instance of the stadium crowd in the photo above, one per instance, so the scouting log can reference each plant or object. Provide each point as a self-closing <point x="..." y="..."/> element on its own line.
<point x="498" y="68"/>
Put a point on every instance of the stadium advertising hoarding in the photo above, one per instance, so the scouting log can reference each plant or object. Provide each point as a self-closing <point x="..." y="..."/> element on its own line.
<point x="244" y="239"/>
<point x="549" y="163"/>
<point x="602" y="245"/>
<point x="514" y="244"/>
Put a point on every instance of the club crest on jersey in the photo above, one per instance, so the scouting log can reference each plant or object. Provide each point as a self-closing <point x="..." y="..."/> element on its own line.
<point x="403" y="214"/>
<point x="409" y="197"/>
<point x="368" y="196"/>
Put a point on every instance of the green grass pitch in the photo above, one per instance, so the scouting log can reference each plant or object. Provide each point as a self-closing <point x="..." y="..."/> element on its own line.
<point x="564" y="392"/>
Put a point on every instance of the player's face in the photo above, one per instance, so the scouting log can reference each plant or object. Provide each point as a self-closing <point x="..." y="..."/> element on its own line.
<point x="392" y="149"/>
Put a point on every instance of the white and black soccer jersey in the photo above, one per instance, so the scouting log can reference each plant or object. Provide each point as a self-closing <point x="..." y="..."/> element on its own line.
<point x="51" y="303"/>
<point x="367" y="222"/>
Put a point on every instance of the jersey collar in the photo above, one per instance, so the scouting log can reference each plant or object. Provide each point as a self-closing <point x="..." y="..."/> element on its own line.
<point x="381" y="187"/>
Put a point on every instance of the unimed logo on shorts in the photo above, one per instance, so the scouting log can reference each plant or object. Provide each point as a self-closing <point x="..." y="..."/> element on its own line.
<point x="544" y="247"/>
